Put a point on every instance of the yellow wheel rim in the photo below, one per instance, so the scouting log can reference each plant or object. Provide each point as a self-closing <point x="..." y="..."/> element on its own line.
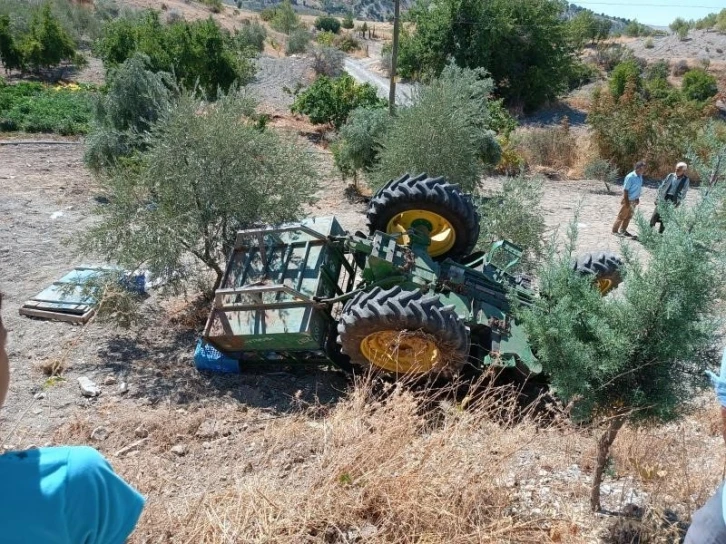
<point x="604" y="285"/>
<point x="442" y="232"/>
<point x="400" y="351"/>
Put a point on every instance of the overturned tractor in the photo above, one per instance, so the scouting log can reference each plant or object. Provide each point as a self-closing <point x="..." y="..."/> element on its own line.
<point x="411" y="297"/>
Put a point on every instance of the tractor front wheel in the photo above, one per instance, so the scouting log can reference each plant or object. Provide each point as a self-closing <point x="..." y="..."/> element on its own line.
<point x="412" y="202"/>
<point x="403" y="332"/>
<point x="605" y="267"/>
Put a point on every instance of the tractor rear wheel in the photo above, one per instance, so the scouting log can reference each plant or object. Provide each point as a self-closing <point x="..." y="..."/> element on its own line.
<point x="604" y="266"/>
<point x="403" y="332"/>
<point x="422" y="201"/>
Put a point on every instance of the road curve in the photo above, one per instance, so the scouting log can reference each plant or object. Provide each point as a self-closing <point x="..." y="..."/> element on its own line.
<point x="363" y="74"/>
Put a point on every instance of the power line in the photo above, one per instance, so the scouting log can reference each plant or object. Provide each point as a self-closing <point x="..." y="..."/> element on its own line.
<point x="588" y="3"/>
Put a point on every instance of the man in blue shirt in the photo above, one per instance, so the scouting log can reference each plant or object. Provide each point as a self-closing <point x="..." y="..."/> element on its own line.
<point x="632" y="187"/>
<point x="64" y="495"/>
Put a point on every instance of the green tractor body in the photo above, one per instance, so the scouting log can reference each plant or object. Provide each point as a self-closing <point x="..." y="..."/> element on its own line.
<point x="409" y="300"/>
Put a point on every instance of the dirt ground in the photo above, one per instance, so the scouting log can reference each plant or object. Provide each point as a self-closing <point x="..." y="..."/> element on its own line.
<point x="194" y="443"/>
<point x="47" y="198"/>
<point x="258" y="418"/>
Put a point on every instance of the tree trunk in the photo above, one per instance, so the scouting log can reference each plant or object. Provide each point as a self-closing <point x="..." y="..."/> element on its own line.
<point x="603" y="452"/>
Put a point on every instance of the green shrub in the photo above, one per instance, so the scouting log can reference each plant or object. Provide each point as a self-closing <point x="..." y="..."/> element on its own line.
<point x="297" y="42"/>
<point x="581" y="74"/>
<point x="347" y="43"/>
<point x="41" y="42"/>
<point x="632" y="126"/>
<point x="358" y="145"/>
<point x="649" y="43"/>
<point x="10" y="53"/>
<point x="446" y="132"/>
<point x="268" y="14"/>
<point x="699" y="85"/>
<point x="136" y="99"/>
<point x="198" y="52"/>
<point x="602" y="170"/>
<point x="252" y="35"/>
<point x="327" y="24"/>
<point x="33" y="107"/>
<point x="330" y="101"/>
<point x="327" y="61"/>
<point x="624" y="73"/>
<point x="514" y="213"/>
<point x="657" y="70"/>
<point x="325" y="38"/>
<point x="348" y="22"/>
<point x="81" y="20"/>
<point x="285" y="19"/>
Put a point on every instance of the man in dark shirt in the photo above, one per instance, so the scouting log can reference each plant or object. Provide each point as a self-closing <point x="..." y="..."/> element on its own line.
<point x="673" y="189"/>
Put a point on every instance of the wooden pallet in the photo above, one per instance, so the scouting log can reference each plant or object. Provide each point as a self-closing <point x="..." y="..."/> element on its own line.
<point x="64" y="300"/>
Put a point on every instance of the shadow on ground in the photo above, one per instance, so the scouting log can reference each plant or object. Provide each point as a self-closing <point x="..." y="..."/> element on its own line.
<point x="164" y="371"/>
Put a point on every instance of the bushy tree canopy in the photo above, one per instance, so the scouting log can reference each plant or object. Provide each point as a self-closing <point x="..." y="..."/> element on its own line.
<point x="327" y="24"/>
<point x="330" y="100"/>
<point x="446" y="132"/>
<point x="198" y="52"/>
<point x="523" y="44"/>
<point x="206" y="173"/>
<point x="285" y="19"/>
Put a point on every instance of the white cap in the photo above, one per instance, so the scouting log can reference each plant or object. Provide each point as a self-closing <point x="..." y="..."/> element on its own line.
<point x="682" y="165"/>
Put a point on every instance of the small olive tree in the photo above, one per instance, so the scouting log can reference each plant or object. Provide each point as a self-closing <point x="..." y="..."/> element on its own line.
<point x="639" y="355"/>
<point x="513" y="212"/>
<point x="136" y="98"/>
<point x="207" y="171"/>
<point x="446" y="132"/>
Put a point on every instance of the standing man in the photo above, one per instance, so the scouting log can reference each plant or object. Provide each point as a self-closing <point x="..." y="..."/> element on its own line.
<point x="673" y="189"/>
<point x="632" y="186"/>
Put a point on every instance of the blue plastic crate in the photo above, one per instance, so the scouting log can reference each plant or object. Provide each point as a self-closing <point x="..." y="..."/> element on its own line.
<point x="207" y="357"/>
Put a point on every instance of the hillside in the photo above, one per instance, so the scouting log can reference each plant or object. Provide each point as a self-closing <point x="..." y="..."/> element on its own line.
<point x="375" y="10"/>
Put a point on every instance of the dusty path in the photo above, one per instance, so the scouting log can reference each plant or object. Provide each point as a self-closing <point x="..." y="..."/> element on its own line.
<point x="361" y="71"/>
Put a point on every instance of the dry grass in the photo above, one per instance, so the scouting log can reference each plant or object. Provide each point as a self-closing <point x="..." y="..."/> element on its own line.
<point x="390" y="463"/>
<point x="549" y="147"/>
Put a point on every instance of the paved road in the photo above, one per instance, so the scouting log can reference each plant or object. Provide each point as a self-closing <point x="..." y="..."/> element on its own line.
<point x="361" y="72"/>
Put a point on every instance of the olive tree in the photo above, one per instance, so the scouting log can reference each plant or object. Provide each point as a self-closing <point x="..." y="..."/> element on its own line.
<point x="445" y="132"/>
<point x="207" y="171"/>
<point x="637" y="356"/>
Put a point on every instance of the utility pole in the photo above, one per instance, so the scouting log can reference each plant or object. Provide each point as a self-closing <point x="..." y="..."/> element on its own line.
<point x="394" y="58"/>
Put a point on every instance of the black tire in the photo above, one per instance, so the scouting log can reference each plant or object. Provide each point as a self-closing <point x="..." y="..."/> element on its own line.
<point x="410" y="312"/>
<point x="433" y="195"/>
<point x="606" y="268"/>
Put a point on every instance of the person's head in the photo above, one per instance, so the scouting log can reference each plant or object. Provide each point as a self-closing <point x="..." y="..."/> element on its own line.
<point x="681" y="168"/>
<point x="640" y="168"/>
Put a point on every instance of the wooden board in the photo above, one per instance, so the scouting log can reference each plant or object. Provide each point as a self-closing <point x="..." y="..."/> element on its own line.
<point x="64" y="300"/>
